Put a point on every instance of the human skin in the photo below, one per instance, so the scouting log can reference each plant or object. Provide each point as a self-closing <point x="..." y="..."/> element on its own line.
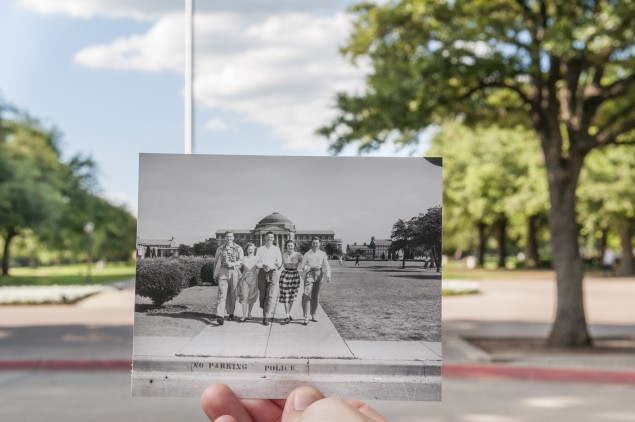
<point x="304" y="404"/>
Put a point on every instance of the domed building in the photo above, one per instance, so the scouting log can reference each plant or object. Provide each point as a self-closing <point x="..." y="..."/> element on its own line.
<point x="283" y="229"/>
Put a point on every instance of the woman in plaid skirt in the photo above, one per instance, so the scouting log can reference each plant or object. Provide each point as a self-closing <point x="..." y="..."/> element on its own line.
<point x="290" y="278"/>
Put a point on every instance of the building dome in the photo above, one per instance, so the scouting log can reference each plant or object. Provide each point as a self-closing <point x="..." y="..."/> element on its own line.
<point x="276" y="220"/>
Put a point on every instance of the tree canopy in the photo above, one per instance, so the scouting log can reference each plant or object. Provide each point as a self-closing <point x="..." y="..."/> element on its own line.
<point x="563" y="69"/>
<point x="607" y="198"/>
<point x="421" y="233"/>
<point x="479" y="197"/>
<point x="29" y="181"/>
<point x="50" y="200"/>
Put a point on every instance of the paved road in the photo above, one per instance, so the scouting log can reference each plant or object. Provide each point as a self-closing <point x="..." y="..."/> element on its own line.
<point x="104" y="396"/>
<point x="100" y="327"/>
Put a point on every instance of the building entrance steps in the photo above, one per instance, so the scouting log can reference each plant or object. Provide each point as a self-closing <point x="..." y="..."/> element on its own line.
<point x="277" y="340"/>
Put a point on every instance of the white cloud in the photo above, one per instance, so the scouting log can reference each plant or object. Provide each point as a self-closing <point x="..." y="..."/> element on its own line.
<point x="281" y="70"/>
<point x="217" y="124"/>
<point x="137" y="9"/>
<point x="157" y="49"/>
<point x="275" y="62"/>
<point x="154" y="9"/>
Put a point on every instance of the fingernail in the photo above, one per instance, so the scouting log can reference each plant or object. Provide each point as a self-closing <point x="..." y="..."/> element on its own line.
<point x="305" y="397"/>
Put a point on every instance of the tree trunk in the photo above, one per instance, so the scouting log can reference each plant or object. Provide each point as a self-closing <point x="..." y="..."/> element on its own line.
<point x="5" y="254"/>
<point x="603" y="242"/>
<point x="403" y="263"/>
<point x="569" y="328"/>
<point x="482" y="240"/>
<point x="437" y="258"/>
<point x="532" y="242"/>
<point x="502" y="235"/>
<point x="627" y="265"/>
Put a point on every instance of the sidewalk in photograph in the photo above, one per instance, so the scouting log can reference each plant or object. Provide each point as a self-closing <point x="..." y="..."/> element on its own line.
<point x="252" y="357"/>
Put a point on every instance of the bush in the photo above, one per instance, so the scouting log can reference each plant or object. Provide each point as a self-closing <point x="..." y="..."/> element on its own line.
<point x="191" y="267"/>
<point x="207" y="273"/>
<point x="158" y="279"/>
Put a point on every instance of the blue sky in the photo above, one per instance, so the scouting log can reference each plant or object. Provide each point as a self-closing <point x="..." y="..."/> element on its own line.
<point x="108" y="74"/>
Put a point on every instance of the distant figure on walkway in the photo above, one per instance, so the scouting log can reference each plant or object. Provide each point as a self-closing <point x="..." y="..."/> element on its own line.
<point x="227" y="263"/>
<point x="314" y="264"/>
<point x="340" y="259"/>
<point x="269" y="261"/>
<point x="248" y="283"/>
<point x="357" y="261"/>
<point x="290" y="278"/>
<point x="608" y="259"/>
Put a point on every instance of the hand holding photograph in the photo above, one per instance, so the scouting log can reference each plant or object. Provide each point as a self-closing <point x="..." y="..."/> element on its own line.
<point x="332" y="279"/>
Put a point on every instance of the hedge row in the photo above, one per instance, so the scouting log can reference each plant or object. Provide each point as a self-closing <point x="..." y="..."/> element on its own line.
<point x="162" y="279"/>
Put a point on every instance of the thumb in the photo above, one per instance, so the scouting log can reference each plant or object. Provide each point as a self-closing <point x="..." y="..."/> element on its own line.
<point x="298" y="401"/>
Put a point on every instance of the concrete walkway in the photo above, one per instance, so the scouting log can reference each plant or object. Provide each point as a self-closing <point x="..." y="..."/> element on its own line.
<point x="101" y="326"/>
<point x="251" y="339"/>
<point x="279" y="340"/>
<point x="253" y="358"/>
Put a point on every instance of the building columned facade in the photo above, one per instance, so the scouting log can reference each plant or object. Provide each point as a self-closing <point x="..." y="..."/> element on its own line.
<point x="151" y="248"/>
<point x="283" y="230"/>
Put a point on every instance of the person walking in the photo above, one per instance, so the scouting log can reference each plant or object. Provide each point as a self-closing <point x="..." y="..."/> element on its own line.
<point x="608" y="260"/>
<point x="269" y="261"/>
<point x="290" y="278"/>
<point x="314" y="264"/>
<point x="248" y="283"/>
<point x="227" y="263"/>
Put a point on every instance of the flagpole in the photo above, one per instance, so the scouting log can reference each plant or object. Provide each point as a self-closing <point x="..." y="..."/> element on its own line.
<point x="189" y="64"/>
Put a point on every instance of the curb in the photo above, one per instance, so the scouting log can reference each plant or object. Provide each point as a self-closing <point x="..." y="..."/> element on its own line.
<point x="457" y="370"/>
<point x="66" y="365"/>
<point x="450" y="370"/>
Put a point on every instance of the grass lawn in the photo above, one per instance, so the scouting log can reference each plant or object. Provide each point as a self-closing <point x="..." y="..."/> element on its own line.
<point x="372" y="302"/>
<point x="376" y="301"/>
<point x="67" y="274"/>
<point x="183" y="316"/>
<point x="455" y="270"/>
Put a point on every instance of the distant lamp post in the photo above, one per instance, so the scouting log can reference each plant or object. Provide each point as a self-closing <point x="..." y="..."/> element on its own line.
<point x="88" y="229"/>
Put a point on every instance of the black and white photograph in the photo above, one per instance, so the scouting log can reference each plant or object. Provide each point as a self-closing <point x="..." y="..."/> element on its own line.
<point x="267" y="273"/>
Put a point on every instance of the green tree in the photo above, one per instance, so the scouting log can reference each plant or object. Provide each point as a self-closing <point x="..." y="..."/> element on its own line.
<point x="479" y="197"/>
<point x="115" y="231"/>
<point x="78" y="190"/>
<point x="565" y="69"/>
<point x="607" y="198"/>
<point x="29" y="180"/>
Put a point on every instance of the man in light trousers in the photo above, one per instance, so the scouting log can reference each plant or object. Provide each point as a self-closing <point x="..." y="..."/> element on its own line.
<point x="227" y="263"/>
<point x="314" y="264"/>
<point x="269" y="261"/>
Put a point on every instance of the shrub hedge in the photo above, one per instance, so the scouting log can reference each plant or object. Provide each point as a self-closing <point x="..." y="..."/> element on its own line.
<point x="207" y="273"/>
<point x="158" y="279"/>
<point x="191" y="267"/>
